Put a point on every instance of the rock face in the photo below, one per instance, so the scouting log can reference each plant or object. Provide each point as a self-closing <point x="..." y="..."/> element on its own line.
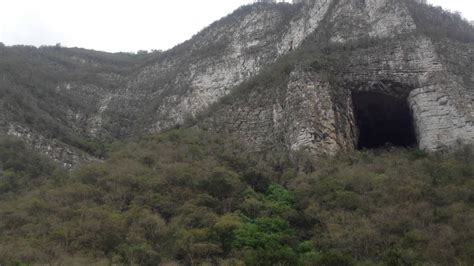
<point x="322" y="51"/>
<point x="66" y="155"/>
<point x="309" y="111"/>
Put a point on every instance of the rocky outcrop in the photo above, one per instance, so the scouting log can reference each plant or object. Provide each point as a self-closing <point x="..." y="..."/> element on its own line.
<point x="356" y="19"/>
<point x="316" y="112"/>
<point x="66" y="155"/>
<point x="304" y="113"/>
<point x="220" y="58"/>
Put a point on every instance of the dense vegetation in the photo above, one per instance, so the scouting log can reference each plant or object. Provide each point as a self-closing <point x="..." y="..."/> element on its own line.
<point x="22" y="170"/>
<point x="191" y="197"/>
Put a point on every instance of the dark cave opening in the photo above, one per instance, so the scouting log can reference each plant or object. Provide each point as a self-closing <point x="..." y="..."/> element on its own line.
<point x="383" y="120"/>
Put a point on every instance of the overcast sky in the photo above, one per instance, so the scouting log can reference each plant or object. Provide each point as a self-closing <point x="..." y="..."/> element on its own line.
<point x="124" y="25"/>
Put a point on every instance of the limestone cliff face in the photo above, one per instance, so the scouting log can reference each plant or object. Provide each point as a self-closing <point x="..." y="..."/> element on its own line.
<point x="65" y="155"/>
<point x="440" y="99"/>
<point x="311" y="112"/>
<point x="328" y="50"/>
<point x="304" y="113"/>
<point x="164" y="89"/>
<point x="444" y="107"/>
<point x="102" y="96"/>
<point x="188" y="78"/>
<point x="356" y="19"/>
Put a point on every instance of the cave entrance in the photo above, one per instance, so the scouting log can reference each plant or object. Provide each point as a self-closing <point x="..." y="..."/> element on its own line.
<point x="383" y="120"/>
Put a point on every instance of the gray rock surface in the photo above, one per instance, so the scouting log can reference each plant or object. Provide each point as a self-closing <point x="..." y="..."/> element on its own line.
<point x="378" y="48"/>
<point x="310" y="112"/>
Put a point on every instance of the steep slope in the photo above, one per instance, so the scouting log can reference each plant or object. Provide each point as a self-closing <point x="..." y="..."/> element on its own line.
<point x="41" y="105"/>
<point x="186" y="79"/>
<point x="371" y="48"/>
<point x="157" y="92"/>
<point x="287" y="74"/>
<point x="81" y="96"/>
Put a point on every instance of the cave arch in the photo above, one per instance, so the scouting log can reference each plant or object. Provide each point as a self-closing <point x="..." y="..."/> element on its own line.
<point x="383" y="119"/>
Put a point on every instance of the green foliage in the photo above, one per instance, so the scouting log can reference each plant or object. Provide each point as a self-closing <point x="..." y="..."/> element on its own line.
<point x="266" y="241"/>
<point x="263" y="233"/>
<point x="185" y="196"/>
<point x="279" y="201"/>
<point x="398" y="206"/>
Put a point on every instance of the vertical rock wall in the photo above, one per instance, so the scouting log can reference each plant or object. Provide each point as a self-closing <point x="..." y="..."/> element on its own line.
<point x="443" y="116"/>
<point x="310" y="112"/>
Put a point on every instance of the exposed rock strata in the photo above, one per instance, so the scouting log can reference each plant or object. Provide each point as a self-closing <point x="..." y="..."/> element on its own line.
<point x="307" y="110"/>
<point x="315" y="117"/>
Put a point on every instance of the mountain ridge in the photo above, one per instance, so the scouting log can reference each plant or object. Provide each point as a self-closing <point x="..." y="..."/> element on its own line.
<point x="108" y="98"/>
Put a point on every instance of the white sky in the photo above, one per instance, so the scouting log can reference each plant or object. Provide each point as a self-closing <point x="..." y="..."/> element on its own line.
<point x="124" y="25"/>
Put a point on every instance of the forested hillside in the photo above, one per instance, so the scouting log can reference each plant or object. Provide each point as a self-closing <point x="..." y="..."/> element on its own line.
<point x="191" y="197"/>
<point x="238" y="147"/>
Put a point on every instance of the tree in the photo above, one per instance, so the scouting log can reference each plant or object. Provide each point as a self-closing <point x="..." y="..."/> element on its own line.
<point x="265" y="241"/>
<point x="225" y="229"/>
